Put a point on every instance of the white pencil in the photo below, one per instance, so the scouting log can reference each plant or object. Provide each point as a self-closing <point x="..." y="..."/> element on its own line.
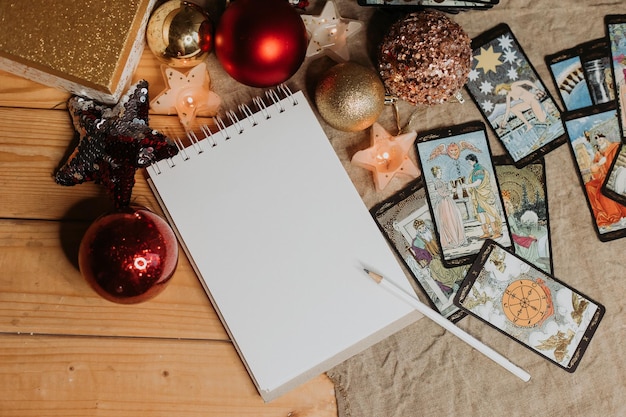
<point x="448" y="325"/>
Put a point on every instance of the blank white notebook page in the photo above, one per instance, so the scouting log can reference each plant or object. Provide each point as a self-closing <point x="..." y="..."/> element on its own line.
<point x="279" y="237"/>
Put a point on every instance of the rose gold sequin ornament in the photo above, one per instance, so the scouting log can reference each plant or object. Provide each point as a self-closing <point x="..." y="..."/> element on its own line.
<point x="425" y="58"/>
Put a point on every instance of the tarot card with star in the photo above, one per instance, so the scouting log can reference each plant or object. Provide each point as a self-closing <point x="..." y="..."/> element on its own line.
<point x="462" y="191"/>
<point x="512" y="98"/>
<point x="582" y="74"/>
<point x="616" y="34"/>
<point x="534" y="308"/>
<point x="594" y="142"/>
<point x="525" y="198"/>
<point x="405" y="221"/>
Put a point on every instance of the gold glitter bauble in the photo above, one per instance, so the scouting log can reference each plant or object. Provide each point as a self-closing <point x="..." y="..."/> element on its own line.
<point x="180" y="34"/>
<point x="350" y="97"/>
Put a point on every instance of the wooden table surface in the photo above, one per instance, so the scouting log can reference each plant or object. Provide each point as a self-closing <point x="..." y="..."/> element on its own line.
<point x="65" y="351"/>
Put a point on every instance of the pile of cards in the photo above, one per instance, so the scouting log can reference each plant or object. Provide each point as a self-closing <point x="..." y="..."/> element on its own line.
<point x="474" y="229"/>
<point x="590" y="79"/>
<point x="474" y="233"/>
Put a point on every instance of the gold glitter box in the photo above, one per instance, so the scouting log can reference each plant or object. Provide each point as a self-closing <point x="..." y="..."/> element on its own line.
<point x="89" y="48"/>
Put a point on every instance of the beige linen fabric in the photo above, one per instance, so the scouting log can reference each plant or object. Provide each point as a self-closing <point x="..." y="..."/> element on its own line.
<point x="424" y="370"/>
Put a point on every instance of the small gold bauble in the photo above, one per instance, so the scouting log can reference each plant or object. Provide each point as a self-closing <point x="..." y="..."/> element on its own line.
<point x="180" y="34"/>
<point x="350" y="97"/>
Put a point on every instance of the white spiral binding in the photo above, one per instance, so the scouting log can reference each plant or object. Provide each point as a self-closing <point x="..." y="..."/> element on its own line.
<point x="195" y="142"/>
<point x="288" y="94"/>
<point x="246" y="111"/>
<point x="234" y="121"/>
<point x="263" y="108"/>
<point x="221" y="126"/>
<point x="181" y="148"/>
<point x="260" y="104"/>
<point x="208" y="135"/>
<point x="272" y="95"/>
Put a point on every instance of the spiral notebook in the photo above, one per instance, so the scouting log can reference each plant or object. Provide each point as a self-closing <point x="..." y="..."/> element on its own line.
<point x="279" y="237"/>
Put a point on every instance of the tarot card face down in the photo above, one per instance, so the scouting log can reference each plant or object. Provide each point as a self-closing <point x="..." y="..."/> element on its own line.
<point x="616" y="32"/>
<point x="405" y="221"/>
<point x="462" y="190"/>
<point x="582" y="74"/>
<point x="530" y="306"/>
<point x="594" y="140"/>
<point x="512" y="98"/>
<point x="526" y="205"/>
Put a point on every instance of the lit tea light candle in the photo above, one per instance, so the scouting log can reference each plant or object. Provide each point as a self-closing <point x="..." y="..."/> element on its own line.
<point x="387" y="156"/>
<point x="188" y="100"/>
<point x="188" y="95"/>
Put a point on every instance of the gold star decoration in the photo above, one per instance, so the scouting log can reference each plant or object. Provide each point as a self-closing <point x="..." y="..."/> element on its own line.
<point x="186" y="94"/>
<point x="387" y="156"/>
<point x="488" y="60"/>
<point x="329" y="33"/>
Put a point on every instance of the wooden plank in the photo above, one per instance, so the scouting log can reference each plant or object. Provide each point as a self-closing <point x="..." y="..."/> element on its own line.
<point x="43" y="292"/>
<point x="87" y="376"/>
<point x="16" y="91"/>
<point x="33" y="144"/>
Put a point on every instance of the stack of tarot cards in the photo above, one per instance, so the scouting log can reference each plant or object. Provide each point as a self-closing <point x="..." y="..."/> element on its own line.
<point x="590" y="79"/>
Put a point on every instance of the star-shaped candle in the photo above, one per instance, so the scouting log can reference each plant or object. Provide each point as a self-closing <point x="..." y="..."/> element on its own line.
<point x="329" y="33"/>
<point x="113" y="142"/>
<point x="387" y="156"/>
<point x="187" y="94"/>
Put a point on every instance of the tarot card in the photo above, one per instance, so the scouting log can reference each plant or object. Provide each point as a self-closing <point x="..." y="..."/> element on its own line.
<point x="512" y="98"/>
<point x="582" y="74"/>
<point x="614" y="185"/>
<point x="530" y="306"/>
<point x="451" y="5"/>
<point x="462" y="191"/>
<point x="594" y="139"/>
<point x="616" y="33"/>
<point x="405" y="221"/>
<point x="526" y="205"/>
<point x="566" y="69"/>
<point x="596" y="59"/>
<point x="447" y="6"/>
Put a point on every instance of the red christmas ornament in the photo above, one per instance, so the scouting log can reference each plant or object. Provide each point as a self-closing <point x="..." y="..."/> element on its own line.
<point x="128" y="256"/>
<point x="260" y="43"/>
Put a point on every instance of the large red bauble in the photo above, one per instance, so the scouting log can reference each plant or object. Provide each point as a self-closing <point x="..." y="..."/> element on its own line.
<point x="128" y="256"/>
<point x="261" y="43"/>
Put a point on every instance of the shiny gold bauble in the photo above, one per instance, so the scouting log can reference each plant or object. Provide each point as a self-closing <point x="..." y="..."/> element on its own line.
<point x="180" y="34"/>
<point x="350" y="97"/>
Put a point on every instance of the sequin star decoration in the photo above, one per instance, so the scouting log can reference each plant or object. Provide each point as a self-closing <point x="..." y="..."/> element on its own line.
<point x="329" y="33"/>
<point x="387" y="156"/>
<point x="187" y="94"/>
<point x="113" y="143"/>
